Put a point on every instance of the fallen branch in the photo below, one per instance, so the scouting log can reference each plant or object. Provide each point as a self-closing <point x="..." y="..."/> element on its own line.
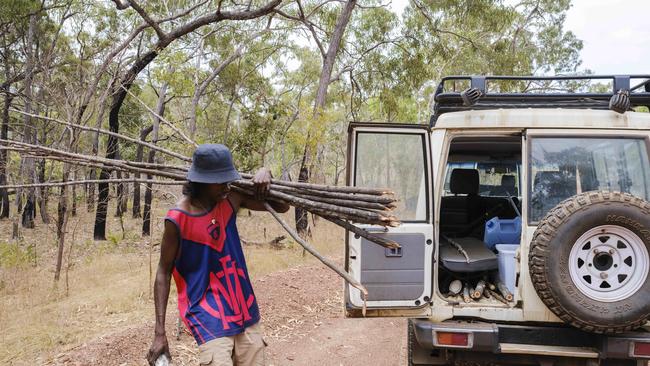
<point x="275" y="243"/>
<point x="349" y="279"/>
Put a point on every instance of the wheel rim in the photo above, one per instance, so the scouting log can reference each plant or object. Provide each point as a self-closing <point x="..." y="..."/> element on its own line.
<point x="609" y="263"/>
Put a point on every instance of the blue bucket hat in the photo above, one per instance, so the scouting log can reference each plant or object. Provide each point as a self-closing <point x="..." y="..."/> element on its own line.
<point x="212" y="163"/>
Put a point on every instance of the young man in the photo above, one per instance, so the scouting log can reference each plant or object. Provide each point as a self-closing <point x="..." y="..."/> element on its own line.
<point x="201" y="249"/>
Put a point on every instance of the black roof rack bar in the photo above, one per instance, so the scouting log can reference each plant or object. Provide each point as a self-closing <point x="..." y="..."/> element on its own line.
<point x="452" y="101"/>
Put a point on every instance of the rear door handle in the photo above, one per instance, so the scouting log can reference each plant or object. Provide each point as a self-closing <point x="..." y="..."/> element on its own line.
<point x="393" y="252"/>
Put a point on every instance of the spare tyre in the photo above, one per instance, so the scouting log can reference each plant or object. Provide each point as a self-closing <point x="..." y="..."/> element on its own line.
<point x="589" y="261"/>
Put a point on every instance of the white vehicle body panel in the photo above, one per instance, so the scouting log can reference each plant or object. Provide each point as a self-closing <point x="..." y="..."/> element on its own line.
<point x="529" y="123"/>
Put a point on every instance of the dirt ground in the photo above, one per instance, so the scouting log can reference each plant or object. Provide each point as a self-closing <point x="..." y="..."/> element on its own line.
<point x="303" y="325"/>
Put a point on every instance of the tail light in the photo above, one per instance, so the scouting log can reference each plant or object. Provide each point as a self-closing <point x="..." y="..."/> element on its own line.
<point x="453" y="339"/>
<point x="640" y="349"/>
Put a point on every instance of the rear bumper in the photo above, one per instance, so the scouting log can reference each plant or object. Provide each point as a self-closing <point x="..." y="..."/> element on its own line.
<point x="554" y="340"/>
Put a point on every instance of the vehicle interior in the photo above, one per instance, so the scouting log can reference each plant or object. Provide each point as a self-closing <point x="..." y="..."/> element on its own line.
<point x="479" y="208"/>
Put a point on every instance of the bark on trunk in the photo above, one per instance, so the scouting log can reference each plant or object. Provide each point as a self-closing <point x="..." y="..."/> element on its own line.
<point x="92" y="175"/>
<point x="124" y="201"/>
<point x="302" y="223"/>
<point x="73" y="210"/>
<point x="148" y="195"/>
<point x="119" y="192"/>
<point x="137" y="210"/>
<point x="330" y="56"/>
<point x="43" y="192"/>
<point x="120" y="89"/>
<point x="61" y="222"/>
<point x="321" y="96"/>
<point x="119" y="93"/>
<point x="27" y="165"/>
<point x="4" y="131"/>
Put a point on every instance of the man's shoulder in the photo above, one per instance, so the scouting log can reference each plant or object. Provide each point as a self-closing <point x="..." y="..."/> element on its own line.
<point x="182" y="204"/>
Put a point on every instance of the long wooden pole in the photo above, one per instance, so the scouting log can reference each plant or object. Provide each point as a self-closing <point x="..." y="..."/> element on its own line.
<point x="323" y="187"/>
<point x="87" y="181"/>
<point x="386" y="243"/>
<point x="346" y="276"/>
<point x="109" y="133"/>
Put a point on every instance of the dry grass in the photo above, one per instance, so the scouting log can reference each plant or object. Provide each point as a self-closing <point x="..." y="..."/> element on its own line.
<point x="109" y="281"/>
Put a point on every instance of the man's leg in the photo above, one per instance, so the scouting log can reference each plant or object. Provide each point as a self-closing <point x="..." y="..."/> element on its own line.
<point x="217" y="352"/>
<point x="249" y="347"/>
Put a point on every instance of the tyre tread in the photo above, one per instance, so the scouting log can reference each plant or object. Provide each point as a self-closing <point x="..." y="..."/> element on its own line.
<point x="539" y="254"/>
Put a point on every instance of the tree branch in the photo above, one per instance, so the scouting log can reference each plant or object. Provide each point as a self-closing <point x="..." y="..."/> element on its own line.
<point x="156" y="27"/>
<point x="120" y="5"/>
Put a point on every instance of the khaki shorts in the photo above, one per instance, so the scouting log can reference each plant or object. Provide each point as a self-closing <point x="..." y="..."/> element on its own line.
<point x="243" y="349"/>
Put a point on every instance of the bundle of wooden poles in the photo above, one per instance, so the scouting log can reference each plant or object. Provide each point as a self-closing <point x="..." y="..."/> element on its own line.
<point x="341" y="205"/>
<point x="469" y="291"/>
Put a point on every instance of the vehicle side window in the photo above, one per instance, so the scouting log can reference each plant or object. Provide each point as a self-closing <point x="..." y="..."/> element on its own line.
<point x="563" y="167"/>
<point x="395" y="161"/>
<point x="496" y="179"/>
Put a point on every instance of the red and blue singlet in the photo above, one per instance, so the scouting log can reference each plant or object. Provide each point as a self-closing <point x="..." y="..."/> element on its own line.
<point x="215" y="295"/>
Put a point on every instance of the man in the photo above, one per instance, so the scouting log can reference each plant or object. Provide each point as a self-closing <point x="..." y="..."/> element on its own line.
<point x="201" y="249"/>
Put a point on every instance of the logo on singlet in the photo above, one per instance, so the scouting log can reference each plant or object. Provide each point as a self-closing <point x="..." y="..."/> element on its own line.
<point x="214" y="230"/>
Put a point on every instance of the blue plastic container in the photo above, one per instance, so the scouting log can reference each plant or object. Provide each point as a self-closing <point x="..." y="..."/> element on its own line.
<point x="502" y="231"/>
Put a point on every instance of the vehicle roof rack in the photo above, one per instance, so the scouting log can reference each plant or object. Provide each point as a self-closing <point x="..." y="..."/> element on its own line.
<point x="543" y="94"/>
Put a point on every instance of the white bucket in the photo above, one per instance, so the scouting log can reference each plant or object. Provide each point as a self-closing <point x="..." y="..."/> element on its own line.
<point x="507" y="265"/>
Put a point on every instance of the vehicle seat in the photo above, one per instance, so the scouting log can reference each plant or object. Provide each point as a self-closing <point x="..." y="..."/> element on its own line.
<point x="508" y="185"/>
<point x="456" y="213"/>
<point x="481" y="258"/>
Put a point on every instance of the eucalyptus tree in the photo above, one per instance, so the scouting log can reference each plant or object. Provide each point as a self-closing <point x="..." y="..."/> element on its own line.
<point x="186" y="21"/>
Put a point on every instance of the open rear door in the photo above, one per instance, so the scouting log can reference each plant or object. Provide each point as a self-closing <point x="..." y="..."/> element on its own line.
<point x="397" y="157"/>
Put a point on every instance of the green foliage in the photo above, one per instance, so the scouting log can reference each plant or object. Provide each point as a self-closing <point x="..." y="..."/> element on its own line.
<point x="262" y="103"/>
<point x="13" y="255"/>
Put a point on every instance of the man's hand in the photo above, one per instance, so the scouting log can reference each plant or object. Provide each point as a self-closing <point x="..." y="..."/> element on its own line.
<point x="262" y="181"/>
<point x="158" y="347"/>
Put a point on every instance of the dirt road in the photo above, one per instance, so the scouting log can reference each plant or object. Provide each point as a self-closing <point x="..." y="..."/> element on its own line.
<point x="303" y="321"/>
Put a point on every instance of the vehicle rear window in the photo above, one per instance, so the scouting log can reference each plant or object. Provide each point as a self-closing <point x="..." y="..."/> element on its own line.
<point x="395" y="161"/>
<point x="563" y="167"/>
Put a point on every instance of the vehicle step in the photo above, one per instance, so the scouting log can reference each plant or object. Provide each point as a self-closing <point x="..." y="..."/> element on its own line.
<point x="534" y="349"/>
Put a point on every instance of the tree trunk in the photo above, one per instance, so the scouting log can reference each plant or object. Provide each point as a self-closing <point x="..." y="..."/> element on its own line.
<point x="119" y="193"/>
<point x="137" y="211"/>
<point x="321" y="96"/>
<point x="73" y="211"/>
<point x="27" y="164"/>
<point x="330" y="57"/>
<point x="148" y="195"/>
<point x="120" y="88"/>
<point x="123" y="202"/>
<point x="302" y="223"/>
<point x="43" y="192"/>
<point x="4" y="131"/>
<point x="119" y="93"/>
<point x="92" y="174"/>
<point x="61" y="222"/>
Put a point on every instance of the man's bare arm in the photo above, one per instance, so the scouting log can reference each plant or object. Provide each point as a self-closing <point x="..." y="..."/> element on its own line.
<point x="262" y="180"/>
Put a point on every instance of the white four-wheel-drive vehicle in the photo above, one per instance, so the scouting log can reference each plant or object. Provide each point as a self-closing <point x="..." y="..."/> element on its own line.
<point x="525" y="232"/>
